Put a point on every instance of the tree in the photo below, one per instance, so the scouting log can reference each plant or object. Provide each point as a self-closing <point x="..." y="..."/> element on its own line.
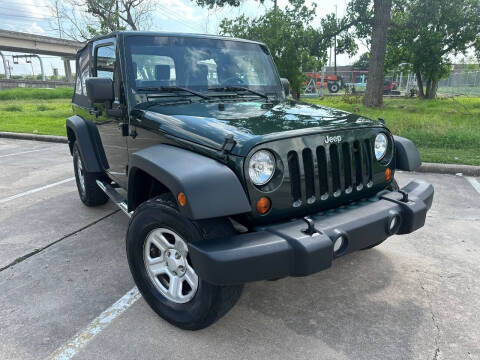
<point x="293" y="43"/>
<point x="362" y="62"/>
<point x="425" y="33"/>
<point x="84" y="19"/>
<point x="381" y="22"/>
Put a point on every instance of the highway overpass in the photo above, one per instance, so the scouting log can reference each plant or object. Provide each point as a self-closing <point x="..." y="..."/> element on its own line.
<point x="40" y="45"/>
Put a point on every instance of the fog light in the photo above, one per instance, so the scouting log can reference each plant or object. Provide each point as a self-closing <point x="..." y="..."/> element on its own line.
<point x="338" y="244"/>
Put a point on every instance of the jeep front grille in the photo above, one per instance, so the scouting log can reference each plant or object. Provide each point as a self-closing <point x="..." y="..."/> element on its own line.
<point x="339" y="169"/>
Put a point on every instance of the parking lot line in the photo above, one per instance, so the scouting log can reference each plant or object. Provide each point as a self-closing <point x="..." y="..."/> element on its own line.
<point x="74" y="345"/>
<point x="24" y="152"/>
<point x="32" y="191"/>
<point x="474" y="182"/>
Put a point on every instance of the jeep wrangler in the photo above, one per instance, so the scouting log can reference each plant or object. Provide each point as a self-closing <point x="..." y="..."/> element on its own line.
<point x="225" y="179"/>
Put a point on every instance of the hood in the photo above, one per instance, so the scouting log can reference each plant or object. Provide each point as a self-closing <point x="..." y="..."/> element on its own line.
<point x="250" y="123"/>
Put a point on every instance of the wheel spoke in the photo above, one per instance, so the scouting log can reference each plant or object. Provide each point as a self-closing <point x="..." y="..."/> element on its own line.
<point x="159" y="268"/>
<point x="191" y="278"/>
<point x="175" y="286"/>
<point x="159" y="241"/>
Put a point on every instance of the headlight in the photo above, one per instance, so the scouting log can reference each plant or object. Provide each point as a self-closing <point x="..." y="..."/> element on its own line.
<point x="381" y="144"/>
<point x="261" y="167"/>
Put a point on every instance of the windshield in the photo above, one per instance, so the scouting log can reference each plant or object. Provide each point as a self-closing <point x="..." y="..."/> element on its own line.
<point x="199" y="64"/>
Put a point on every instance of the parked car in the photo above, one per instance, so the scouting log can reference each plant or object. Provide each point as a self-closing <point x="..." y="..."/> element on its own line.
<point x="225" y="179"/>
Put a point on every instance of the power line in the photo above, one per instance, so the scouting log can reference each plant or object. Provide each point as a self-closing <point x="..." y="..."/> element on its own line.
<point x="44" y="6"/>
<point x="172" y="16"/>
<point x="24" y="17"/>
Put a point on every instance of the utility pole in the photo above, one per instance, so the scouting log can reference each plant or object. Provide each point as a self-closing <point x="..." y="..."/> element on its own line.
<point x="117" y="15"/>
<point x="335" y="44"/>
<point x="57" y="14"/>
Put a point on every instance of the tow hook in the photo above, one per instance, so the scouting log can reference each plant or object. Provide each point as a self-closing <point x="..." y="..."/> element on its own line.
<point x="310" y="230"/>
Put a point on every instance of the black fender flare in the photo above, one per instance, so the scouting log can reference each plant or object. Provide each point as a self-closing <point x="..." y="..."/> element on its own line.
<point x="87" y="136"/>
<point x="407" y="156"/>
<point x="212" y="189"/>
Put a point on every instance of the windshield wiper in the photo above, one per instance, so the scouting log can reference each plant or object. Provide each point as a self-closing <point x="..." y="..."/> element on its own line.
<point x="173" y="89"/>
<point x="238" y="88"/>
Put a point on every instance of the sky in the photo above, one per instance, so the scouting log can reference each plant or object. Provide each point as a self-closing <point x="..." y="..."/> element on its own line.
<point x="33" y="16"/>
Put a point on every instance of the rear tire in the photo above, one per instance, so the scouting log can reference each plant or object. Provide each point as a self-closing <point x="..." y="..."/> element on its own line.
<point x="333" y="87"/>
<point x="88" y="190"/>
<point x="158" y="234"/>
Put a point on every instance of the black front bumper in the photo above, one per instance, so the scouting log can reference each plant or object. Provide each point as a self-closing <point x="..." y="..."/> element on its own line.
<point x="288" y="250"/>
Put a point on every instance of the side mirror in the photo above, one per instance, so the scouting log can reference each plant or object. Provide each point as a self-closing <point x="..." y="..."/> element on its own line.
<point x="286" y="86"/>
<point x="99" y="89"/>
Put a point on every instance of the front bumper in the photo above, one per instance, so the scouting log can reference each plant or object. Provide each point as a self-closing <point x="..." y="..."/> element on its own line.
<point x="287" y="249"/>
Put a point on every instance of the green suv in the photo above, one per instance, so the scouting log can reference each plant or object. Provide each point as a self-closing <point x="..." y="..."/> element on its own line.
<point x="225" y="179"/>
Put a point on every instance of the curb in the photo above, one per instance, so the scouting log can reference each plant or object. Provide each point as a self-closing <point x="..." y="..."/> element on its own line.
<point x="468" y="170"/>
<point x="37" y="137"/>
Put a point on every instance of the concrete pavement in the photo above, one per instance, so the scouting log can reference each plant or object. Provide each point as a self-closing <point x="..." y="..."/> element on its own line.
<point x="414" y="297"/>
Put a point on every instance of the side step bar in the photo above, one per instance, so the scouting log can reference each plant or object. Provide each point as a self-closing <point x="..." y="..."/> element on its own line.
<point x="114" y="196"/>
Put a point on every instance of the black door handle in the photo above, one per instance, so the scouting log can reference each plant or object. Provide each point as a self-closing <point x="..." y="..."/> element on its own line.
<point x="94" y="112"/>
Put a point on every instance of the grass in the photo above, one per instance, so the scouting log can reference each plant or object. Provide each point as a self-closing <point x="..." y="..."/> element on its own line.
<point x="35" y="111"/>
<point x="444" y="130"/>
<point x="32" y="93"/>
<point x="35" y="116"/>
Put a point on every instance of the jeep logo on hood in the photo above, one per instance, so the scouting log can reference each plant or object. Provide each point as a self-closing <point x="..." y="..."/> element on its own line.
<point x="333" y="139"/>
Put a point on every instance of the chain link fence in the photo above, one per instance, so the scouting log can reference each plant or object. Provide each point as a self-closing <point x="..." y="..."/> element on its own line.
<point x="461" y="83"/>
<point x="400" y="84"/>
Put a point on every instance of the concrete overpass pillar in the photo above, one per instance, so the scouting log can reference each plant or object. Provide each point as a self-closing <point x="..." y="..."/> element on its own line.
<point x="5" y="66"/>
<point x="68" y="69"/>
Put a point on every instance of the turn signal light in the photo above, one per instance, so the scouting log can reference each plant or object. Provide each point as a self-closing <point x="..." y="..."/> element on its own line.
<point x="263" y="205"/>
<point x="388" y="174"/>
<point x="182" y="199"/>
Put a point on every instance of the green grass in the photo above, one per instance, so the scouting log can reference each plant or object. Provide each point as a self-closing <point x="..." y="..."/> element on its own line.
<point x="35" y="116"/>
<point x="32" y="93"/>
<point x="444" y="130"/>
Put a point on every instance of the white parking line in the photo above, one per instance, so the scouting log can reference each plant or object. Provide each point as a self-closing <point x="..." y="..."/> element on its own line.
<point x="13" y="197"/>
<point x="78" y="342"/>
<point x="474" y="182"/>
<point x="24" y="152"/>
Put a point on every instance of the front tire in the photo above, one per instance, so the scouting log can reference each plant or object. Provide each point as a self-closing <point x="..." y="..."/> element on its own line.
<point x="157" y="253"/>
<point x="88" y="190"/>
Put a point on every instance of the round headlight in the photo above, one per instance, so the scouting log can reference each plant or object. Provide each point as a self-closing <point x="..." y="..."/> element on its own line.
<point x="381" y="144"/>
<point x="261" y="167"/>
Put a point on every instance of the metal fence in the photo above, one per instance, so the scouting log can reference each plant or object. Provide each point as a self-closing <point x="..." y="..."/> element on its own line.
<point x="461" y="83"/>
<point x="397" y="84"/>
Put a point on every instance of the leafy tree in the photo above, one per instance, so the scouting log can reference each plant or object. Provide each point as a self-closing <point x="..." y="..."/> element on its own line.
<point x="293" y="43"/>
<point x="362" y="62"/>
<point x="425" y="33"/>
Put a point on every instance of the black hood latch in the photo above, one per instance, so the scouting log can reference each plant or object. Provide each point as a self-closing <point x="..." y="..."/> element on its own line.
<point x="228" y="144"/>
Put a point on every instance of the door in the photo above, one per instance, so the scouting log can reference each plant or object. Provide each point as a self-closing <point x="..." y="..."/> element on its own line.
<point x="111" y="124"/>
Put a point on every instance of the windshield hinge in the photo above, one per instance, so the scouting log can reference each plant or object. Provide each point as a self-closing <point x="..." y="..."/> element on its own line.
<point x="228" y="144"/>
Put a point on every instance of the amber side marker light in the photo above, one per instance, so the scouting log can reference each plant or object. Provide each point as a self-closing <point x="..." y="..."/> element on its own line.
<point x="263" y="205"/>
<point x="388" y="174"/>
<point x="182" y="199"/>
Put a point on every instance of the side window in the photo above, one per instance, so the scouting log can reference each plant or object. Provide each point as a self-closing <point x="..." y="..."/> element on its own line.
<point x="82" y="73"/>
<point x="105" y="61"/>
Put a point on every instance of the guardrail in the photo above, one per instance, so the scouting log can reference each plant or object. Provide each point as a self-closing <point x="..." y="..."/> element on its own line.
<point x="17" y="83"/>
